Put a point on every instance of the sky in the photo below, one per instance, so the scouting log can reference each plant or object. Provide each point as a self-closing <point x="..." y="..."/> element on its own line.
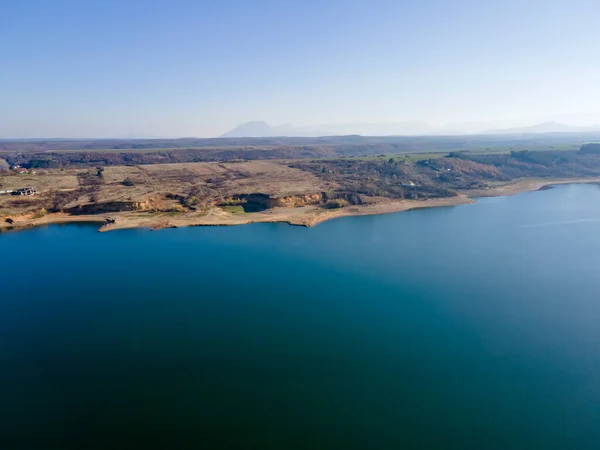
<point x="114" y="68"/>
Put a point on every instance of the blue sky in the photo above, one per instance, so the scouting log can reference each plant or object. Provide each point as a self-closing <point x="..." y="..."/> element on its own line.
<point x="200" y="67"/>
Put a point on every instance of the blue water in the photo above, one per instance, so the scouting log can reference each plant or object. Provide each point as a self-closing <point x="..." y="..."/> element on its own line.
<point x="473" y="327"/>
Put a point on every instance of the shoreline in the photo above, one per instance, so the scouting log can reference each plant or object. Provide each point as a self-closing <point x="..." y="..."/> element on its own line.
<point x="526" y="185"/>
<point x="306" y="216"/>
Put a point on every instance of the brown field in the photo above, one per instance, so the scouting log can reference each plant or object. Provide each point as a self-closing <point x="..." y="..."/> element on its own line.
<point x="163" y="184"/>
<point x="44" y="180"/>
<point x="269" y="177"/>
<point x="215" y="179"/>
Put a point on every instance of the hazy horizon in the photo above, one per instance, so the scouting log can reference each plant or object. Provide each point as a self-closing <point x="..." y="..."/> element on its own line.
<point x="186" y="68"/>
<point x="408" y="128"/>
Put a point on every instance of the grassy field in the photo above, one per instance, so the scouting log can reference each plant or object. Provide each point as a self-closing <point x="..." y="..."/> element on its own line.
<point x="433" y="154"/>
<point x="519" y="148"/>
<point x="238" y="209"/>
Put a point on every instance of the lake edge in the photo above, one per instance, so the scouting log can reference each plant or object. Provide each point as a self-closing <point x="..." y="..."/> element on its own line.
<point x="307" y="216"/>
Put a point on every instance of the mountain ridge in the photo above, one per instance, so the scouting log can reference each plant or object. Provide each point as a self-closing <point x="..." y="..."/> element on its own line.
<point x="262" y="129"/>
<point x="545" y="127"/>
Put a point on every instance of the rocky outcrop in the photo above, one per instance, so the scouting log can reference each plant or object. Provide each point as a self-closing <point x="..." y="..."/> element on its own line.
<point x="152" y="204"/>
<point x="294" y="201"/>
<point x="101" y="208"/>
<point x="251" y="203"/>
<point x="260" y="202"/>
<point x="263" y="201"/>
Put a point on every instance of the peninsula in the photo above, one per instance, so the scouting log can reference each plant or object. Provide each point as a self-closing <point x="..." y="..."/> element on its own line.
<point x="41" y="187"/>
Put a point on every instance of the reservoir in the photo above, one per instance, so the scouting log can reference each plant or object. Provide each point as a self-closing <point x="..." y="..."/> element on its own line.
<point x="470" y="327"/>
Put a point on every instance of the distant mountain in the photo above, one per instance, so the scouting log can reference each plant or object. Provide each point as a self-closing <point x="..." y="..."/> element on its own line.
<point x="546" y="127"/>
<point x="262" y="129"/>
<point x="252" y="129"/>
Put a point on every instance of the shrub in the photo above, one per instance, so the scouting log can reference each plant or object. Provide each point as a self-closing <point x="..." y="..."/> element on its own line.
<point x="335" y="204"/>
<point x="192" y="201"/>
<point x="41" y="213"/>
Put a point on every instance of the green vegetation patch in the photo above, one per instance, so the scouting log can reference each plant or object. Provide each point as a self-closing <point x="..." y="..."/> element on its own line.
<point x="235" y="209"/>
<point x="335" y="204"/>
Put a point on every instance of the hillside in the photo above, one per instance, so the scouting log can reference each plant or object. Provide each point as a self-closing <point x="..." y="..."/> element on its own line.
<point x="310" y="188"/>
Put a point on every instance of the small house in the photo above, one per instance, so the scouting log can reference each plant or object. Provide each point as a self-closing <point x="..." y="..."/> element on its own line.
<point x="26" y="191"/>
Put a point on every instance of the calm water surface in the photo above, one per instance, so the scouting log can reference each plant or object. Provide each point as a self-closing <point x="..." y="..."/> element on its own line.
<point x="474" y="327"/>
